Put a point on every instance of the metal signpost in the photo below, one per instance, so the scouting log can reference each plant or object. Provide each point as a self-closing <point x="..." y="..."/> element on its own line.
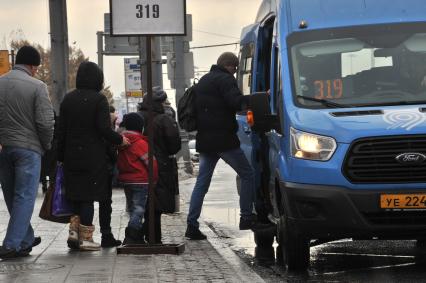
<point x="132" y="79"/>
<point x="148" y="18"/>
<point x="161" y="46"/>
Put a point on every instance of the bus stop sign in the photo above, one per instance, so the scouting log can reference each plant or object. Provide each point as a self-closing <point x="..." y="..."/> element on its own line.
<point x="147" y="17"/>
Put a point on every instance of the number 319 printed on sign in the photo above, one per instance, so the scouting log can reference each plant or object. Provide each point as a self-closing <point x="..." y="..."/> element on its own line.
<point x="147" y="17"/>
<point x="147" y="11"/>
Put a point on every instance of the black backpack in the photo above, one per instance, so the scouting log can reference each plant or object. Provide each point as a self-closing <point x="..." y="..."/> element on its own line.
<point x="186" y="110"/>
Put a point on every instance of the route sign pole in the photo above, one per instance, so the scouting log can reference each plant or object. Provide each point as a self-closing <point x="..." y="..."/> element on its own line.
<point x="152" y="18"/>
<point x="151" y="234"/>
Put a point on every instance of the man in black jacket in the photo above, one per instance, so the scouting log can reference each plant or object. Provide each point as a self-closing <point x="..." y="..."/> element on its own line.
<point x="217" y="100"/>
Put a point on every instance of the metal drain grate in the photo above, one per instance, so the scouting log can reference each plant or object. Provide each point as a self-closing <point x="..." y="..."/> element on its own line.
<point x="19" y="267"/>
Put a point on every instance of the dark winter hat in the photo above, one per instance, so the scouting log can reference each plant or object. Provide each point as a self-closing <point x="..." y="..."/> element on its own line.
<point x="89" y="76"/>
<point x="227" y="59"/>
<point x="158" y="94"/>
<point x="28" y="55"/>
<point x="133" y="122"/>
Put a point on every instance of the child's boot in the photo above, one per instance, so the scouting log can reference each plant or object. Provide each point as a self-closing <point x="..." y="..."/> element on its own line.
<point x="133" y="237"/>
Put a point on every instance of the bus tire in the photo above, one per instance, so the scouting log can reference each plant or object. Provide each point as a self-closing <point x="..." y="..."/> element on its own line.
<point x="295" y="250"/>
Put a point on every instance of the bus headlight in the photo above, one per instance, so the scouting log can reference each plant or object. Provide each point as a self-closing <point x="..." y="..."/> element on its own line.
<point x="310" y="146"/>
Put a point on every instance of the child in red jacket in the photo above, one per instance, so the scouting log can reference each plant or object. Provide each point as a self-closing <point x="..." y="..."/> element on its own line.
<point x="133" y="174"/>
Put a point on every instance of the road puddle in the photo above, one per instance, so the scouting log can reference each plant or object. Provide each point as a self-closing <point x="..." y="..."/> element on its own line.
<point x="224" y="222"/>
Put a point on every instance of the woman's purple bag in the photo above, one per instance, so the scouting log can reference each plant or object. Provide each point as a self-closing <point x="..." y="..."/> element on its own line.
<point x="60" y="205"/>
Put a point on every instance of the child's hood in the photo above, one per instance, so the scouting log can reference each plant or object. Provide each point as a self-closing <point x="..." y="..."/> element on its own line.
<point x="134" y="136"/>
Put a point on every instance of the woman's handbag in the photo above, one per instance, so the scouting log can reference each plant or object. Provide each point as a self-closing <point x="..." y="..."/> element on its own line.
<point x="46" y="207"/>
<point x="60" y="206"/>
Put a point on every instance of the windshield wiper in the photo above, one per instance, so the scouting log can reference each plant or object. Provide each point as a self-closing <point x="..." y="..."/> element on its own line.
<point x="392" y="103"/>
<point x="325" y="102"/>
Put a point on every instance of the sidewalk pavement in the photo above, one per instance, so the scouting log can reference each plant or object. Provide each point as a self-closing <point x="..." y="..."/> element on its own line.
<point x="52" y="261"/>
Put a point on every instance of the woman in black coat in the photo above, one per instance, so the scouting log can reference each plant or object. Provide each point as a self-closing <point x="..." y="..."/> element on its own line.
<point x="84" y="132"/>
<point x="167" y="143"/>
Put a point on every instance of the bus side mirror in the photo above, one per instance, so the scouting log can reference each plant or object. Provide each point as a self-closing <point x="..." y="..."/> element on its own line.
<point x="259" y="115"/>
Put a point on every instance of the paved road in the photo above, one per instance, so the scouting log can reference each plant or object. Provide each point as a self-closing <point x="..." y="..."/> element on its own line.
<point x="221" y="209"/>
<point x="340" y="261"/>
<point x="214" y="260"/>
<point x="52" y="261"/>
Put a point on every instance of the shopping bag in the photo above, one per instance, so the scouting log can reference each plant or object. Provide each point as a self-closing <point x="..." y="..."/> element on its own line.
<point x="60" y="205"/>
<point x="46" y="207"/>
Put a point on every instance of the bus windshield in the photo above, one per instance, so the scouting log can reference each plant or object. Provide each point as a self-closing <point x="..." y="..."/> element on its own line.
<point x="361" y="66"/>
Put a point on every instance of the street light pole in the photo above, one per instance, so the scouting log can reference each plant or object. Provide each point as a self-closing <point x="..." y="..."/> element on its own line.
<point x="180" y="90"/>
<point x="100" y="36"/>
<point x="59" y="50"/>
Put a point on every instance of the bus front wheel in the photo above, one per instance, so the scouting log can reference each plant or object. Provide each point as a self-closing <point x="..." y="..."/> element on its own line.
<point x="295" y="250"/>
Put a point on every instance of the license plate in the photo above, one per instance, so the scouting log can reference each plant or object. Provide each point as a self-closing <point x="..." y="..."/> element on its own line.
<point x="403" y="201"/>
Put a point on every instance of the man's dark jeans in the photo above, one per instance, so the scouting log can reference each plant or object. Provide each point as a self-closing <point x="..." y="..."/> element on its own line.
<point x="237" y="160"/>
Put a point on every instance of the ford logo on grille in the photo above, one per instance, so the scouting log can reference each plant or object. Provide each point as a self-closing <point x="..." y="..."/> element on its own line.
<point x="411" y="158"/>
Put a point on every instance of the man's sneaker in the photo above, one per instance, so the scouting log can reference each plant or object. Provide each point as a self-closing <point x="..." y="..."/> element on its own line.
<point x="251" y="223"/>
<point x="194" y="233"/>
<point x="6" y="253"/>
<point x="36" y="242"/>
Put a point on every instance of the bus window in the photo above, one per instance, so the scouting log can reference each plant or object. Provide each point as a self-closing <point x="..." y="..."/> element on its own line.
<point x="245" y="68"/>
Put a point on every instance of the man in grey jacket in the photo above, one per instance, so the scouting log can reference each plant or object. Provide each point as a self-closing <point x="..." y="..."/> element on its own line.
<point x="26" y="131"/>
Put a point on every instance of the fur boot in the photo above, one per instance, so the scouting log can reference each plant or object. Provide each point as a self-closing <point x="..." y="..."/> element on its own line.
<point x="86" y="239"/>
<point x="73" y="232"/>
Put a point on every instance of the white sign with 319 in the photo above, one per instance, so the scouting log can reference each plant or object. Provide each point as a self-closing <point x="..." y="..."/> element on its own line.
<point x="147" y="17"/>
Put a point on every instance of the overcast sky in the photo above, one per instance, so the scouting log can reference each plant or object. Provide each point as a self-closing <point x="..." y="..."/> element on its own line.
<point x="214" y="22"/>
